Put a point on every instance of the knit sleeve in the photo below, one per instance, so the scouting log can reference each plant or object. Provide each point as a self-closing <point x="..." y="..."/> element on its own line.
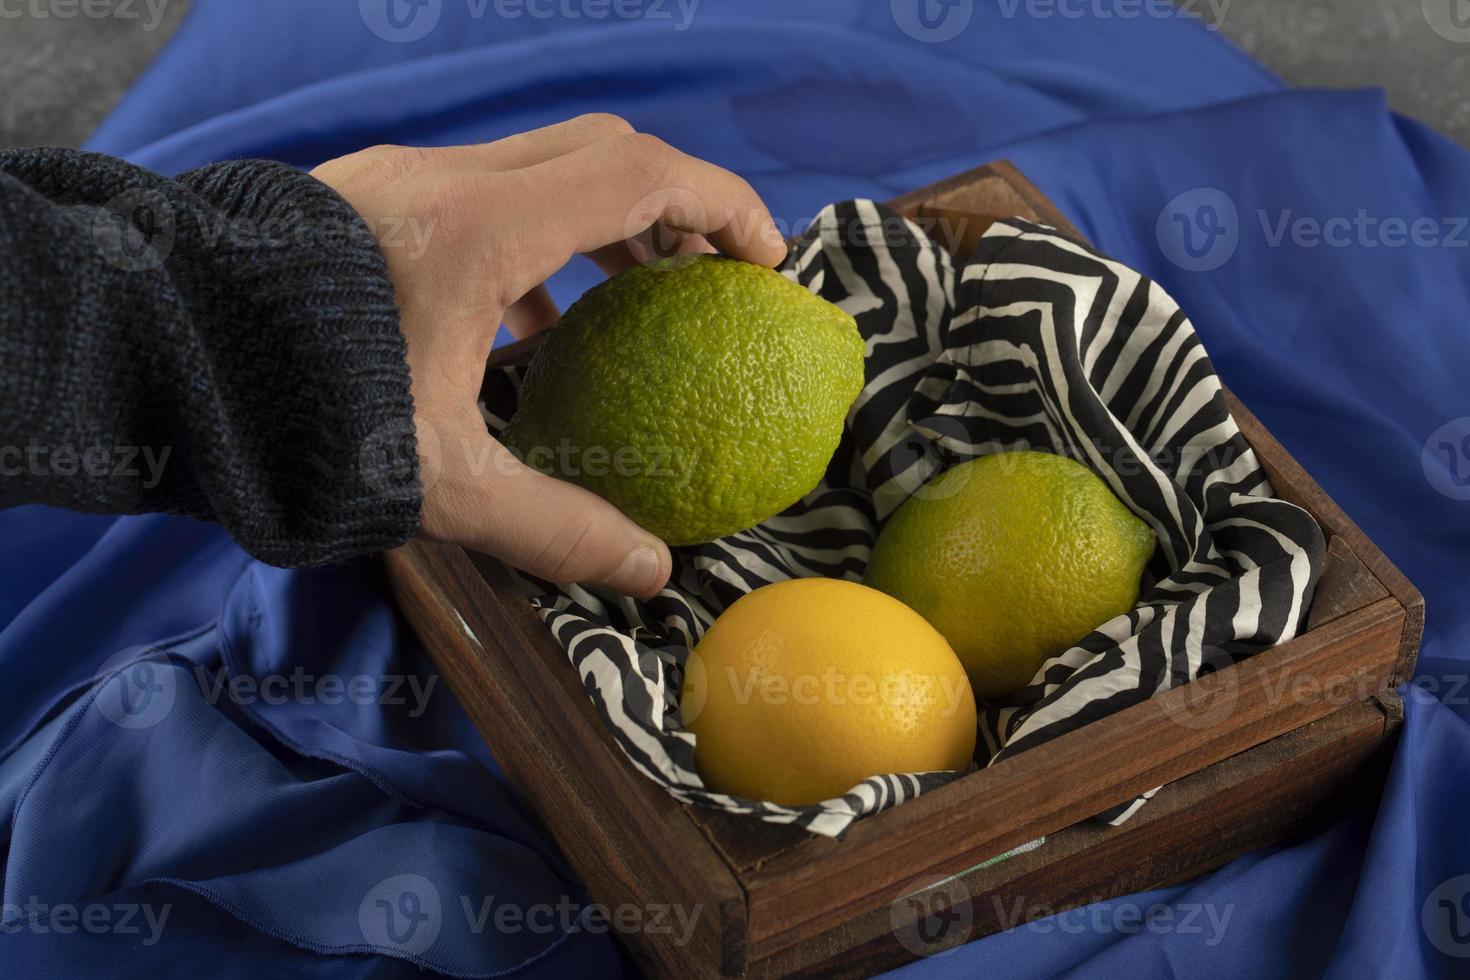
<point x="222" y="345"/>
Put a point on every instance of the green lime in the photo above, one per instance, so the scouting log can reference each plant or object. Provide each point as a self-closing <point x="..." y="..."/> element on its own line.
<point x="699" y="394"/>
<point x="1012" y="557"/>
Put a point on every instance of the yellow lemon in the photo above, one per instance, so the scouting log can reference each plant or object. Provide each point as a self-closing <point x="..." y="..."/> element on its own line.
<point x="805" y="688"/>
<point x="1014" y="558"/>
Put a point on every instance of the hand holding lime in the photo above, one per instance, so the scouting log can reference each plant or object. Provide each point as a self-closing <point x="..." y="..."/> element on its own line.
<point x="700" y="395"/>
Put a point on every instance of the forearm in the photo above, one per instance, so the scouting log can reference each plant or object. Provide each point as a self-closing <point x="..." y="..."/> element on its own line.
<point x="223" y="345"/>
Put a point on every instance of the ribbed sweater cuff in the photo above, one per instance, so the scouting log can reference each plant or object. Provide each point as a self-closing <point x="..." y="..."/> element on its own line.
<point x="345" y="469"/>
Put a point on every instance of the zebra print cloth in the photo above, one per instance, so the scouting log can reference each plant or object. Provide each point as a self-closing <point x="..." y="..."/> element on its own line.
<point x="1037" y="342"/>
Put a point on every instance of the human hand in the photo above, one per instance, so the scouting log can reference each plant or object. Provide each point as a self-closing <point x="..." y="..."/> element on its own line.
<point x="501" y="218"/>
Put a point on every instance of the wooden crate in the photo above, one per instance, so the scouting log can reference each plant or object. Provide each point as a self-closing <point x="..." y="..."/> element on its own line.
<point x="1248" y="755"/>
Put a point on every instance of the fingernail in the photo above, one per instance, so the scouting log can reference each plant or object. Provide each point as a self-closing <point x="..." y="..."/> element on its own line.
<point x="639" y="573"/>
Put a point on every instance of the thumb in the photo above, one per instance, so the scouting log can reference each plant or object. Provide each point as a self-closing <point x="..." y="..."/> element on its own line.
<point x="549" y="528"/>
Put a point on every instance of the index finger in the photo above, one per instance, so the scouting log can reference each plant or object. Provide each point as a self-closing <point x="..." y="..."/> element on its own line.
<point x="624" y="185"/>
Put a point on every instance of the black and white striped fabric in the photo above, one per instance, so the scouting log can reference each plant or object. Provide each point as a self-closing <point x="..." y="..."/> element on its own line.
<point x="1036" y="343"/>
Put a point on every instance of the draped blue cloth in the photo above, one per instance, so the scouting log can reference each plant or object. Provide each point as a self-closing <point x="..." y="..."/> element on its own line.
<point x="334" y="814"/>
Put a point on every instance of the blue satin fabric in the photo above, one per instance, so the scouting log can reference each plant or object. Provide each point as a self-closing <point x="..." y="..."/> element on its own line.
<point x="278" y="832"/>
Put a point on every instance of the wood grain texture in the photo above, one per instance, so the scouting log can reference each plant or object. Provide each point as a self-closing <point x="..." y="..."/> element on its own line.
<point x="628" y="840"/>
<point x="1287" y="786"/>
<point x="1245" y="755"/>
<point x="811" y="887"/>
<point x="1345" y="587"/>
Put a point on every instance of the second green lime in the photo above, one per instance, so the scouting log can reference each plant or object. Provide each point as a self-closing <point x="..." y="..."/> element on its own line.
<point x="700" y="395"/>
<point x="1013" y="557"/>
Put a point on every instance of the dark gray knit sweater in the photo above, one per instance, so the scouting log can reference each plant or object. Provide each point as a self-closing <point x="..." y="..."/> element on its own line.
<point x="223" y="345"/>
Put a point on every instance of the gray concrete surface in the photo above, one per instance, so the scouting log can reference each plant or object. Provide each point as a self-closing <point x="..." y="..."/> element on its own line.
<point x="65" y="63"/>
<point x="60" y="75"/>
<point x="1418" y="50"/>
